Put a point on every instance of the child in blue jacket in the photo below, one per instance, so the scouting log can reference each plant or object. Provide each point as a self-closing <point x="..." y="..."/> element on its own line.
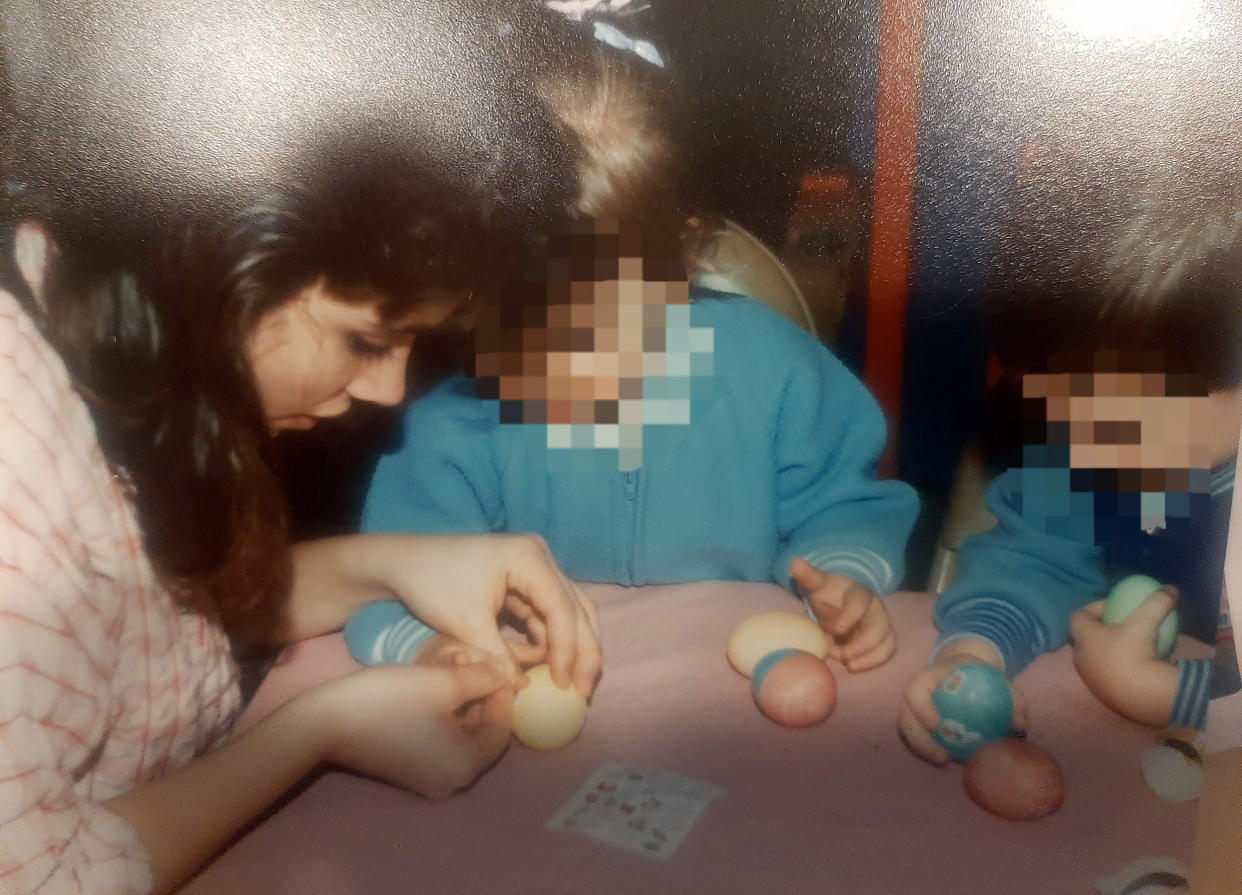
<point x="650" y="431"/>
<point x="1121" y="313"/>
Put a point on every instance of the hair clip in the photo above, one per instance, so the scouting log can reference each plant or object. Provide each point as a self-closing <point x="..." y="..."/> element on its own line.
<point x="615" y="37"/>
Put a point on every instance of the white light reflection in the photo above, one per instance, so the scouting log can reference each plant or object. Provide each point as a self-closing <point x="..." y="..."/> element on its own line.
<point x="1133" y="21"/>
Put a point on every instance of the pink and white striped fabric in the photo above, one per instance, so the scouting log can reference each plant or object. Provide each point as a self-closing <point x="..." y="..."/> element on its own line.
<point x="104" y="681"/>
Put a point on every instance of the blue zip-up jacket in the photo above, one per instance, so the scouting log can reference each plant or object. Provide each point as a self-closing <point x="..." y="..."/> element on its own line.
<point x="778" y="461"/>
<point x="1057" y="547"/>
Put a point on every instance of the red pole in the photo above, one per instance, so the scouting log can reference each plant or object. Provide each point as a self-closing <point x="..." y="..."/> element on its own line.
<point x="900" y="61"/>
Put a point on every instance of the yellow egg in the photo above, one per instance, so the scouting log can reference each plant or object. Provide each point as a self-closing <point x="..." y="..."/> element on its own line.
<point x="545" y="716"/>
<point x="767" y="632"/>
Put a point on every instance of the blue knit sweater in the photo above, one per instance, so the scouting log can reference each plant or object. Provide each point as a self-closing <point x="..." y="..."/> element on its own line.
<point x="777" y="461"/>
<point x="1057" y="547"/>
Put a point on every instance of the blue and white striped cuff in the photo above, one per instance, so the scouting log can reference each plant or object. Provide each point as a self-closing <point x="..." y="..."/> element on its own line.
<point x="864" y="566"/>
<point x="1221" y="479"/>
<point x="1015" y="635"/>
<point x="1190" y="706"/>
<point x="385" y="633"/>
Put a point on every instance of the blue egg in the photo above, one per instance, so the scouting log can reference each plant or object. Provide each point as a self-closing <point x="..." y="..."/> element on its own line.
<point x="975" y="706"/>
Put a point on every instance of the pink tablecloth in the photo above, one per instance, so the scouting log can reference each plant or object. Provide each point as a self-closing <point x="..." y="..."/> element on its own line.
<point x="838" y="808"/>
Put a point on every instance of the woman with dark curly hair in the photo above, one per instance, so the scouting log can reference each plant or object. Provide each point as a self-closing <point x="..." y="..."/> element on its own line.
<point x="162" y="317"/>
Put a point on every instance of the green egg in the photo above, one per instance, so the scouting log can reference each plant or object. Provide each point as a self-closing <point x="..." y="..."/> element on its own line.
<point x="1125" y="597"/>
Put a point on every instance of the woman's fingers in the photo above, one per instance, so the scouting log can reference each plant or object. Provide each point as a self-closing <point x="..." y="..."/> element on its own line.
<point x="537" y="579"/>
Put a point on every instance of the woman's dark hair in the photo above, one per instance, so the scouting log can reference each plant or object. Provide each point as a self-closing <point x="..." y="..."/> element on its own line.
<point x="416" y="184"/>
<point x="1140" y="262"/>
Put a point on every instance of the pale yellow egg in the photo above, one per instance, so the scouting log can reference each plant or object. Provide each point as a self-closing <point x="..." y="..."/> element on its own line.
<point x="766" y="632"/>
<point x="545" y="716"/>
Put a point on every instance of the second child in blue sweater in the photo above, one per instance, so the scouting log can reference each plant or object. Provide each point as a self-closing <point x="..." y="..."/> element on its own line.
<point x="1120" y="312"/>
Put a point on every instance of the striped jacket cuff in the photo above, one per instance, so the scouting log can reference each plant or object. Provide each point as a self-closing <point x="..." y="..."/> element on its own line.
<point x="864" y="566"/>
<point x="1190" y="705"/>
<point x="1015" y="635"/>
<point x="385" y="633"/>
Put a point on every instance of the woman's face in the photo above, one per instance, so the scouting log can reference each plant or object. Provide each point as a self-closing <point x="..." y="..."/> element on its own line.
<point x="314" y="355"/>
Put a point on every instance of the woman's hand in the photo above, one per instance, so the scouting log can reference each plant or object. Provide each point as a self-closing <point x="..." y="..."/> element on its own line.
<point x="430" y="729"/>
<point x="917" y="716"/>
<point x="1118" y="663"/>
<point x="457" y="584"/>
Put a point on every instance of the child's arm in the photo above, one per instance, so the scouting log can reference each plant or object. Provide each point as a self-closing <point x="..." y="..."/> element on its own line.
<point x="1119" y="664"/>
<point x="1016" y="588"/>
<point x="842" y="531"/>
<point x="832" y="511"/>
<point x="443" y="479"/>
<point x="1018" y="585"/>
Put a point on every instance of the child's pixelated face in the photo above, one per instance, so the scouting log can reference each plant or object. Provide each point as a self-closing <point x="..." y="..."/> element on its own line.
<point x="612" y="317"/>
<point x="601" y="338"/>
<point x="1124" y="420"/>
<point x="1138" y="444"/>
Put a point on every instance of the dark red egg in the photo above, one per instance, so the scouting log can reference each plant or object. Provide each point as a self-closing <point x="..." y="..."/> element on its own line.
<point x="1014" y="779"/>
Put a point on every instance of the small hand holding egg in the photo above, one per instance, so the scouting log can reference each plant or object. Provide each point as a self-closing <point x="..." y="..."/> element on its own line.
<point x="1119" y="662"/>
<point x="917" y="716"/>
<point x="975" y="705"/>
<point x="861" y="636"/>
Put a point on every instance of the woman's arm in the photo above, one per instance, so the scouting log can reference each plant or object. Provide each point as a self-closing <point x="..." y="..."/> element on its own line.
<point x="399" y="723"/>
<point x="188" y="815"/>
<point x="333" y="578"/>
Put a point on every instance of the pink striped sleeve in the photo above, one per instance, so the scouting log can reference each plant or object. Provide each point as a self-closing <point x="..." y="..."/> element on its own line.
<point x="55" y="670"/>
<point x="51" y="839"/>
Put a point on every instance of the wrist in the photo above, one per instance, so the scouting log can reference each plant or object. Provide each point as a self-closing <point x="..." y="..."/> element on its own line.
<point x="969" y="649"/>
<point x="1143" y="694"/>
<point x="333" y="578"/>
<point x="362" y="564"/>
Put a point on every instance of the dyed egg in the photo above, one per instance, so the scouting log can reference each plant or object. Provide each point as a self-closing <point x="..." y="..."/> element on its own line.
<point x="1126" y="596"/>
<point x="767" y="632"/>
<point x="1014" y="779"/>
<point x="544" y="715"/>
<point x="1174" y="770"/>
<point x="975" y="706"/>
<point x="794" y="688"/>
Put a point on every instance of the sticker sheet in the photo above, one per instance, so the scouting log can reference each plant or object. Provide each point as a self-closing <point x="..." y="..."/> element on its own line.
<point x="645" y="811"/>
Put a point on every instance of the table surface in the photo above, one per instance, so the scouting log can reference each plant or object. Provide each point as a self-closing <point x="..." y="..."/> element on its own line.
<point x="841" y="804"/>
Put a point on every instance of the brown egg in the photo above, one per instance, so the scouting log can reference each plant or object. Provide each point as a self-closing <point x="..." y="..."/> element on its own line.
<point x="1014" y="779"/>
<point x="796" y="689"/>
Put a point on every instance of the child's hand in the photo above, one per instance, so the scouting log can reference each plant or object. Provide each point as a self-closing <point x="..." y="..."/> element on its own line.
<point x="917" y="716"/>
<point x="1118" y="663"/>
<point x="855" y="619"/>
